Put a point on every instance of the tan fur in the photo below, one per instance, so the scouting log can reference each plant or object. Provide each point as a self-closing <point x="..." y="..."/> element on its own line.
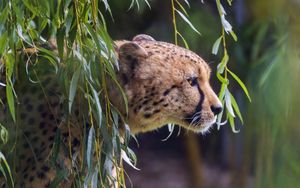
<point x="164" y="66"/>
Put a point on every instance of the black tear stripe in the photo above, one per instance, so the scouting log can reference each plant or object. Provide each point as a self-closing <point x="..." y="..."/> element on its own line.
<point x="198" y="108"/>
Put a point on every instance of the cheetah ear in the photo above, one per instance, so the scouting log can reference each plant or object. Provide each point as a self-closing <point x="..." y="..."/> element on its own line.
<point x="131" y="50"/>
<point x="143" y="37"/>
<point x="130" y="54"/>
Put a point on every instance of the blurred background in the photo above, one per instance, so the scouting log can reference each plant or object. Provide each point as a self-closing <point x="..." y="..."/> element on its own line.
<point x="266" y="151"/>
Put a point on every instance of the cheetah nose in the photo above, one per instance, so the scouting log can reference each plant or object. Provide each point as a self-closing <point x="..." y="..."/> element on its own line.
<point x="216" y="109"/>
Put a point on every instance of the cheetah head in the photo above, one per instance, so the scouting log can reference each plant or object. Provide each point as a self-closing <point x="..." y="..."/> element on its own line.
<point x="165" y="83"/>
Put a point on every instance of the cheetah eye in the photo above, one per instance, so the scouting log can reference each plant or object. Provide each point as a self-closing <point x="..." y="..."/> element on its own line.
<point x="193" y="81"/>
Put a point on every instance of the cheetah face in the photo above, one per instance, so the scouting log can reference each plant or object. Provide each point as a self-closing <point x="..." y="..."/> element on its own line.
<point x="164" y="84"/>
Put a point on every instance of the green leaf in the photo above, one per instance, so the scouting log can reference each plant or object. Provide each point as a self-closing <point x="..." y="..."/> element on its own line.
<point x="9" y="87"/>
<point x="187" y="21"/>
<point x="228" y="103"/>
<point x="5" y="170"/>
<point x="221" y="66"/>
<point x="222" y="79"/>
<point x="60" y="41"/>
<point x="222" y="91"/>
<point x="97" y="104"/>
<point x="236" y="108"/>
<point x="232" y="124"/>
<point x="90" y="145"/>
<point x="216" y="45"/>
<point x="73" y="87"/>
<point x="240" y="83"/>
<point x="184" y="41"/>
<point x="3" y="134"/>
<point x="3" y="42"/>
<point x="181" y="7"/>
<point x="233" y="35"/>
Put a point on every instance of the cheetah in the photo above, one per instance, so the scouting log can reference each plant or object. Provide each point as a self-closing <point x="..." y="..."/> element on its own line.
<point x="163" y="83"/>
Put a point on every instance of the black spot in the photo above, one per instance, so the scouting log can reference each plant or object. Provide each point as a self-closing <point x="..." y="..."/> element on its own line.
<point x="42" y="125"/>
<point x="25" y="176"/>
<point x="45" y="168"/>
<point x="44" y="114"/>
<point x="165" y="105"/>
<point x="31" y="121"/>
<point x="23" y="116"/>
<point x="66" y="134"/>
<point x="40" y="108"/>
<point x="147" y="108"/>
<point x="75" y="142"/>
<point x="158" y="102"/>
<point x="31" y="178"/>
<point x="76" y="112"/>
<point x="125" y="79"/>
<point x="45" y="132"/>
<point x="55" y="104"/>
<point x="41" y="175"/>
<point x="35" y="139"/>
<point x="147" y="115"/>
<point x="51" y="138"/>
<point x="29" y="159"/>
<point x="54" y="129"/>
<point x="156" y="111"/>
<point x="29" y="107"/>
<point x="42" y="144"/>
<point x="146" y="102"/>
<point x="26" y="100"/>
<point x="51" y="117"/>
<point x="167" y="91"/>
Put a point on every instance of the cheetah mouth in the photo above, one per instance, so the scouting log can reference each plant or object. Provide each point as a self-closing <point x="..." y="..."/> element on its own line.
<point x="198" y="125"/>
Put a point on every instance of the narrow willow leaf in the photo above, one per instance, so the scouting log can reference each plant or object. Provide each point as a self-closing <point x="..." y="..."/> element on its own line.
<point x="9" y="87"/>
<point x="236" y="108"/>
<point x="60" y="176"/>
<point x="184" y="41"/>
<point x="73" y="87"/>
<point x="222" y="91"/>
<point x="97" y="104"/>
<point x="5" y="170"/>
<point x="228" y="103"/>
<point x="60" y="41"/>
<point x="90" y="145"/>
<point x="127" y="160"/>
<point x="94" y="181"/>
<point x="233" y="35"/>
<point x="221" y="66"/>
<point x="232" y="124"/>
<point x="222" y="79"/>
<point x="216" y="45"/>
<point x="3" y="134"/>
<point x="181" y="7"/>
<point x="187" y="21"/>
<point x="3" y="42"/>
<point x="240" y="83"/>
<point x="187" y="2"/>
